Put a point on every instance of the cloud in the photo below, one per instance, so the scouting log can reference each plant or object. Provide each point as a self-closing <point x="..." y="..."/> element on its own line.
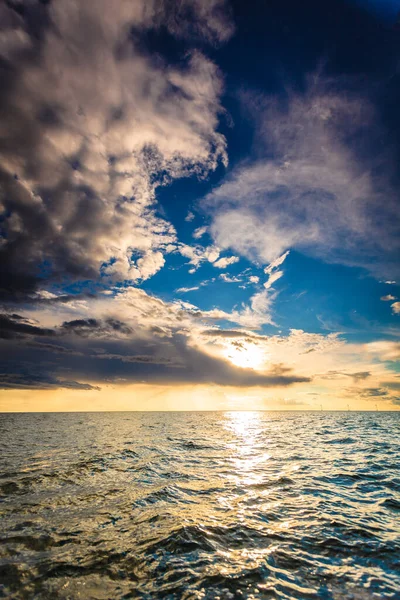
<point x="185" y="290"/>
<point x="269" y="269"/>
<point x="132" y="336"/>
<point x="199" y="232"/>
<point x="380" y="393"/>
<point x="254" y="279"/>
<point x="222" y="263"/>
<point x="386" y="350"/>
<point x="257" y="312"/>
<point x="189" y="217"/>
<point x="392" y="385"/>
<point x="319" y="183"/>
<point x="388" y="298"/>
<point x="373" y="393"/>
<point x="92" y="125"/>
<point x="230" y="278"/>
<point x="395" y="308"/>
<point x="31" y="381"/>
<point x="95" y="327"/>
<point x="272" y="279"/>
<point x="357" y="376"/>
<point x="228" y="333"/>
<point x="198" y="254"/>
<point x="14" y="326"/>
<point x="360" y="375"/>
<point x="272" y="270"/>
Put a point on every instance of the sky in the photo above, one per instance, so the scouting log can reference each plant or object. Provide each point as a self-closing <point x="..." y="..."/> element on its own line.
<point x="199" y="205"/>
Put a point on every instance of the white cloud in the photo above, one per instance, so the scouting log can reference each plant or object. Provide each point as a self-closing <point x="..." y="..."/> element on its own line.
<point x="222" y="263"/>
<point x="395" y="308"/>
<point x="319" y="191"/>
<point x="272" y="278"/>
<point x="199" y="232"/>
<point x="46" y="295"/>
<point x="93" y="121"/>
<point x="276" y="263"/>
<point x="211" y="254"/>
<point x="230" y="278"/>
<point x="185" y="290"/>
<point x="198" y="254"/>
<point x="150" y="263"/>
<point x="272" y="270"/>
<point x="384" y="350"/>
<point x="256" y="313"/>
<point x="254" y="279"/>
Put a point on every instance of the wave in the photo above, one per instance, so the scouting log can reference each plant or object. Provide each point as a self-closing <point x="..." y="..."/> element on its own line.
<point x="200" y="506"/>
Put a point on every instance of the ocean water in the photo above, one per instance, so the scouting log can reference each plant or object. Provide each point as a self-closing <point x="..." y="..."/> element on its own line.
<point x="200" y="505"/>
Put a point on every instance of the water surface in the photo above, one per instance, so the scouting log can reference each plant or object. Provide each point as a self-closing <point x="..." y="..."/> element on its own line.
<point x="200" y="505"/>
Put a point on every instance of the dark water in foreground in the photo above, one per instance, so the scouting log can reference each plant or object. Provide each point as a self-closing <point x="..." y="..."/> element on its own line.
<point x="200" y="505"/>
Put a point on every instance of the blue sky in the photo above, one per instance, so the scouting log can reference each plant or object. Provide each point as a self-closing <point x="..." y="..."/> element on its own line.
<point x="203" y="194"/>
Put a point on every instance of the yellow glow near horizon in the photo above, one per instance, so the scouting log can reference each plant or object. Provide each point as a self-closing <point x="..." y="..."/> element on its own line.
<point x="246" y="356"/>
<point x="149" y="397"/>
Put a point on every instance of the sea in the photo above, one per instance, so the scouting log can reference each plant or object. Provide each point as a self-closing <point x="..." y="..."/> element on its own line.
<point x="200" y="505"/>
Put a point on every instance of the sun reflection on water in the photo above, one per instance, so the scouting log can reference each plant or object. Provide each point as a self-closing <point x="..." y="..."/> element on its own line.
<point x="247" y="441"/>
<point x="216" y="505"/>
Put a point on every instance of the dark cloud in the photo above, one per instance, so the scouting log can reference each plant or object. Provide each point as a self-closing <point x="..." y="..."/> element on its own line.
<point x="81" y="325"/>
<point x="392" y="385"/>
<point x="20" y="290"/>
<point x="95" y="326"/>
<point x="371" y="393"/>
<point x="14" y="326"/>
<point x="15" y="285"/>
<point x="382" y="393"/>
<point x="91" y="124"/>
<point x="98" y="350"/>
<point x="50" y="347"/>
<point x="230" y="333"/>
<point x="58" y="299"/>
<point x="30" y="381"/>
<point x="357" y="376"/>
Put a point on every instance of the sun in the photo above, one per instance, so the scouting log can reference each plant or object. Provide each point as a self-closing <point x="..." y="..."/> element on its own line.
<point x="246" y="356"/>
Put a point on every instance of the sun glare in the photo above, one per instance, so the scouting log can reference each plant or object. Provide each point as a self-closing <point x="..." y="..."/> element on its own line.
<point x="247" y="356"/>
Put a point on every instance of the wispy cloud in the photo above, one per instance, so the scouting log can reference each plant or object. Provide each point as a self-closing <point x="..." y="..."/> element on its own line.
<point x="185" y="290"/>
<point x="273" y="266"/>
<point x="319" y="185"/>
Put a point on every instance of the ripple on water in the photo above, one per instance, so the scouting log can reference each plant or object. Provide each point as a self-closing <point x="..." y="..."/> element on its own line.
<point x="200" y="506"/>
